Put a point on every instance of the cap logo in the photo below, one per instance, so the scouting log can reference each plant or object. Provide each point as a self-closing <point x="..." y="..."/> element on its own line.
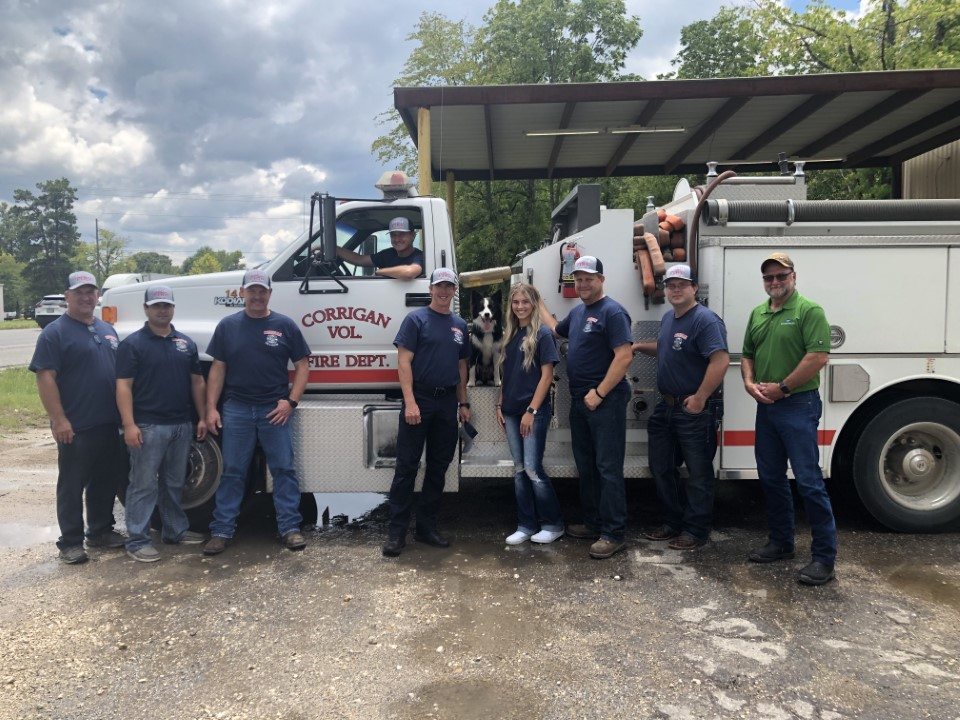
<point x="443" y="275"/>
<point x="400" y="224"/>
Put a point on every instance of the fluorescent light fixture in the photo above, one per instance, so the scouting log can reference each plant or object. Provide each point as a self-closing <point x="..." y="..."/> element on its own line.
<point x="563" y="131"/>
<point x="628" y="130"/>
<point x="638" y="129"/>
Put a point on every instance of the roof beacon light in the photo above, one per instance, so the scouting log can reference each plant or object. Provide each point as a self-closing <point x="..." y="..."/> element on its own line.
<point x="395" y="184"/>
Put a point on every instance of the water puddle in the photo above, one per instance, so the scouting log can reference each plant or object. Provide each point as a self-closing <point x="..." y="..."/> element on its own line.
<point x="351" y="506"/>
<point x="926" y="585"/>
<point x="19" y="535"/>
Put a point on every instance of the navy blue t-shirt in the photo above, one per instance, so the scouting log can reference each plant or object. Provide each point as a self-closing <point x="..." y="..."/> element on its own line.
<point x="85" y="362"/>
<point x="438" y="342"/>
<point x="162" y="370"/>
<point x="594" y="331"/>
<point x="257" y="351"/>
<point x="519" y="385"/>
<point x="684" y="347"/>
<point x="389" y="258"/>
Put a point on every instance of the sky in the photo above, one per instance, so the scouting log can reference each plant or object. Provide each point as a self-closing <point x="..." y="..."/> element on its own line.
<point x="185" y="123"/>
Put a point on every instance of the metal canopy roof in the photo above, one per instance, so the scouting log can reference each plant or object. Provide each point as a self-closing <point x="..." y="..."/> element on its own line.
<point x="843" y="120"/>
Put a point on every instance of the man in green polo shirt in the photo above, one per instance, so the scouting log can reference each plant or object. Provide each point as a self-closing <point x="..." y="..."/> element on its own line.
<point x="786" y="345"/>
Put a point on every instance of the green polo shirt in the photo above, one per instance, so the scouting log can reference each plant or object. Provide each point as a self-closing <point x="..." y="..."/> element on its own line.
<point x="776" y="341"/>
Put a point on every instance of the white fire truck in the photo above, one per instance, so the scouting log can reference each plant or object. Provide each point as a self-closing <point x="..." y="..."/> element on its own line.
<point x="881" y="270"/>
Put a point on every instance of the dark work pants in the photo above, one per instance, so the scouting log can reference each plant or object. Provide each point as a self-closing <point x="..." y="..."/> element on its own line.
<point x="96" y="462"/>
<point x="438" y="431"/>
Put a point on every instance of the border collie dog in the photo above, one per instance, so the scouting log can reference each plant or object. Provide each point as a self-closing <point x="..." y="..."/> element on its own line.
<point x="486" y="335"/>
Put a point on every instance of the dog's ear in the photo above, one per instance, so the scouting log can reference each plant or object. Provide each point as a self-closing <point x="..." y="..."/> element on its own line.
<point x="498" y="298"/>
<point x="476" y="301"/>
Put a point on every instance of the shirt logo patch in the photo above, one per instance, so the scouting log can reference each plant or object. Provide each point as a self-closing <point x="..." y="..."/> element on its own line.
<point x="272" y="338"/>
<point x="114" y="342"/>
<point x="678" y="341"/>
<point x="181" y="345"/>
<point x="457" y="336"/>
<point x="588" y="325"/>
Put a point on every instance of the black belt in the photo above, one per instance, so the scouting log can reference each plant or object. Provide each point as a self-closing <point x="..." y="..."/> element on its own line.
<point x="678" y="400"/>
<point x="433" y="390"/>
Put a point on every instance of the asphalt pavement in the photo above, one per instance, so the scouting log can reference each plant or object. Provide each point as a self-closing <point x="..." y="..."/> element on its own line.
<point x="16" y="346"/>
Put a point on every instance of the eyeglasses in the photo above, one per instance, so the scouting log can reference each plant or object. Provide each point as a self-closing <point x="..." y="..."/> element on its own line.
<point x="93" y="331"/>
<point x="678" y="285"/>
<point x="779" y="277"/>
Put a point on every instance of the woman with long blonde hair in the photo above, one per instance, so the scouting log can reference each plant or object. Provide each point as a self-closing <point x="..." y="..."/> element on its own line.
<point x="523" y="410"/>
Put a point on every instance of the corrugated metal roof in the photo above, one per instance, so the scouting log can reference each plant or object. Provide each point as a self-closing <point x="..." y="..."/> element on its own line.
<point x="843" y="120"/>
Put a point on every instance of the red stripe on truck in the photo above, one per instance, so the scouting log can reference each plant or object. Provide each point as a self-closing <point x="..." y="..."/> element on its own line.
<point x="351" y="377"/>
<point x="748" y="438"/>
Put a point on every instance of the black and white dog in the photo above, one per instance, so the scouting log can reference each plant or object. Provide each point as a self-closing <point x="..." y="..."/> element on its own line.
<point x="486" y="335"/>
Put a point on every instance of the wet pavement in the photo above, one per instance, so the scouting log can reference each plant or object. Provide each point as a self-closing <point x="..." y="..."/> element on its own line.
<point x="481" y="630"/>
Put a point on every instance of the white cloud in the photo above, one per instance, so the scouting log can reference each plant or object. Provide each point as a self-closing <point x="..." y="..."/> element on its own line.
<point x="187" y="123"/>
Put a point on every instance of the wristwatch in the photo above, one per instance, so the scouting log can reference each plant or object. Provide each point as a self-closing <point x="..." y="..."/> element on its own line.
<point x="532" y="410"/>
<point x="293" y="403"/>
<point x="784" y="389"/>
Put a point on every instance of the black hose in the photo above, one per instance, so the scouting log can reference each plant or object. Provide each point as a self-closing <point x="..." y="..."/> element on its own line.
<point x="797" y="211"/>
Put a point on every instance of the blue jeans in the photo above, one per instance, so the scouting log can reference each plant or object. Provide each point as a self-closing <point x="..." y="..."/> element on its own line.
<point x="788" y="430"/>
<point x="675" y="434"/>
<point x="534" y="491"/>
<point x="244" y="424"/>
<point x="158" y="470"/>
<point x="91" y="469"/>
<point x="438" y="431"/>
<point x="599" y="439"/>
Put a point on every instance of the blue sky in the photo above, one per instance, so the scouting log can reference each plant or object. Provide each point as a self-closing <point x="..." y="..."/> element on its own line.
<point x="187" y="123"/>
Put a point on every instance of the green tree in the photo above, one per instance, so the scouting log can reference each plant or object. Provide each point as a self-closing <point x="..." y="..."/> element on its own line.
<point x="14" y="287"/>
<point x="443" y="56"/>
<point x="204" y="263"/>
<point x="49" y="233"/>
<point x="224" y="260"/>
<point x="726" y="45"/>
<point x="152" y="262"/>
<point x="105" y="260"/>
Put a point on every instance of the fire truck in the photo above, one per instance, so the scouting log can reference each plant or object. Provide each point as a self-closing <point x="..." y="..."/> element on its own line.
<point x="882" y="271"/>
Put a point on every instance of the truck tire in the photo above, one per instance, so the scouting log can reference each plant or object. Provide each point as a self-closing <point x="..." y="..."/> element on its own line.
<point x="204" y="467"/>
<point x="906" y="466"/>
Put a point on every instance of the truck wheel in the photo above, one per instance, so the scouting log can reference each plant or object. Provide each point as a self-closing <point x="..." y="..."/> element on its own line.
<point x="906" y="466"/>
<point x="204" y="467"/>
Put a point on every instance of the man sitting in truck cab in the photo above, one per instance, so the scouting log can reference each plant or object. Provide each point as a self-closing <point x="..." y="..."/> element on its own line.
<point x="402" y="261"/>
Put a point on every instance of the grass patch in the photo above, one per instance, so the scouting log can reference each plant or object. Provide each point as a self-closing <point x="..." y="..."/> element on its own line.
<point x="20" y="405"/>
<point x="18" y="325"/>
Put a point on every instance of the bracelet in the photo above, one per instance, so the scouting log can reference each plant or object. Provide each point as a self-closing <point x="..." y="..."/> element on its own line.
<point x="464" y="405"/>
<point x="597" y="391"/>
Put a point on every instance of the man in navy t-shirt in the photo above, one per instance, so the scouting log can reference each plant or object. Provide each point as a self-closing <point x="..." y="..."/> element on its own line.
<point x="433" y="349"/>
<point x="251" y="350"/>
<point x="159" y="385"/>
<point x="75" y="364"/>
<point x="402" y="260"/>
<point x="598" y="356"/>
<point x="692" y="357"/>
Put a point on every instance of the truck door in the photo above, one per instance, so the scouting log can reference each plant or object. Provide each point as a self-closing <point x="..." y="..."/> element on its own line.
<point x="350" y="320"/>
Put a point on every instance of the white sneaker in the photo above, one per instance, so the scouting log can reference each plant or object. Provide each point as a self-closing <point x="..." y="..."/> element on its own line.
<point x="518" y="537"/>
<point x="547" y="536"/>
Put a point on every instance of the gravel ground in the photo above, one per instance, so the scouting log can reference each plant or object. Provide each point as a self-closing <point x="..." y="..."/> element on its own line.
<point x="481" y="630"/>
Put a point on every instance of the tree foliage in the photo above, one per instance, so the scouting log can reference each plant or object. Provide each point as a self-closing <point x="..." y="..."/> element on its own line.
<point x="724" y="46"/>
<point x="103" y="259"/>
<point x="207" y="260"/>
<point x="152" y="262"/>
<point x="14" y="288"/>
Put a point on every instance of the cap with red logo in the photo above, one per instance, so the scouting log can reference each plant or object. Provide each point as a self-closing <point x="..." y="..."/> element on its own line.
<point x="158" y="294"/>
<point x="256" y="277"/>
<point x="588" y="264"/>
<point x="400" y="224"/>
<point x="79" y="279"/>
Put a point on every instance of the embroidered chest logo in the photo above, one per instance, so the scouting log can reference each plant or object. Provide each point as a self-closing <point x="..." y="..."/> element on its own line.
<point x="678" y="341"/>
<point x="181" y="345"/>
<point x="588" y="325"/>
<point x="114" y="342"/>
<point x="272" y="338"/>
<point x="457" y="336"/>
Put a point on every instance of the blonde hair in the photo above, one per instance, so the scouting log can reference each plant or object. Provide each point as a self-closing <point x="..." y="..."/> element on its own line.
<point x="529" y="344"/>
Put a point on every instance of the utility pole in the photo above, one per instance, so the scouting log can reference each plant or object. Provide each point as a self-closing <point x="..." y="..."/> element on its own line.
<point x="96" y="224"/>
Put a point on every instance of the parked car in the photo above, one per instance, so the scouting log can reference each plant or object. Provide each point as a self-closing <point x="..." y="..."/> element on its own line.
<point x="49" y="309"/>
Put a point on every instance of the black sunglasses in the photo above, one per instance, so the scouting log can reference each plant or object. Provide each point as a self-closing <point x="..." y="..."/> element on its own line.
<point x="93" y="331"/>
<point x="778" y="276"/>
